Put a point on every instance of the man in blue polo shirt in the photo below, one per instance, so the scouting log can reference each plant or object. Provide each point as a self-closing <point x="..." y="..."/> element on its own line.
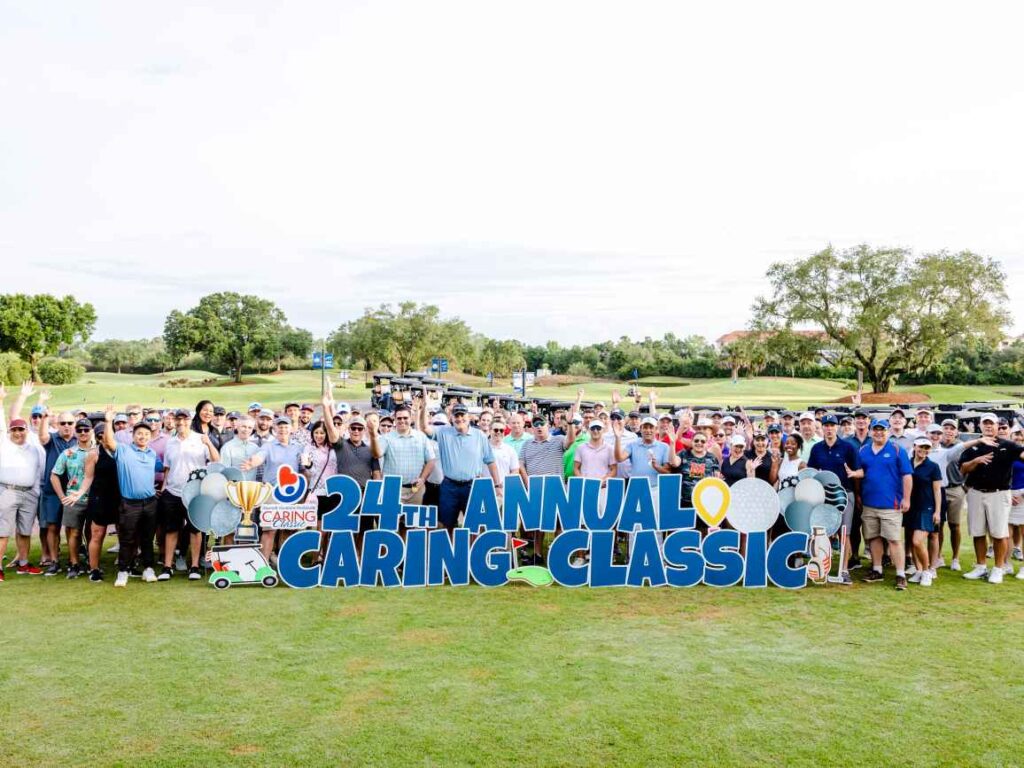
<point x="839" y="457"/>
<point x="461" y="452"/>
<point x="887" y="481"/>
<point x="137" y="465"/>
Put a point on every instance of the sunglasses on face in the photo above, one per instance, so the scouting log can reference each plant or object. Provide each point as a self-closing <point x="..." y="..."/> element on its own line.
<point x="699" y="442"/>
<point x="355" y="428"/>
<point x="17" y="429"/>
<point x="152" y="420"/>
<point x="81" y="430"/>
<point x="498" y="430"/>
<point x="66" y="423"/>
<point x="37" y="415"/>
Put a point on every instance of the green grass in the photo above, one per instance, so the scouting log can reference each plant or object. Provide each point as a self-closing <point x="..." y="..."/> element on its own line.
<point x="97" y="389"/>
<point x="179" y="675"/>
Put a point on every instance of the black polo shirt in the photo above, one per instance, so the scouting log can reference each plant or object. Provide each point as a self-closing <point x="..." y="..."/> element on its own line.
<point x="997" y="474"/>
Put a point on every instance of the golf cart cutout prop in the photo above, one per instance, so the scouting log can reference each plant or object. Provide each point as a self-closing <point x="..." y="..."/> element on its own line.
<point x="239" y="564"/>
<point x="666" y="546"/>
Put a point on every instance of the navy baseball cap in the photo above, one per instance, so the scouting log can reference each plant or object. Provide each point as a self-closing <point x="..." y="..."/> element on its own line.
<point x="829" y="418"/>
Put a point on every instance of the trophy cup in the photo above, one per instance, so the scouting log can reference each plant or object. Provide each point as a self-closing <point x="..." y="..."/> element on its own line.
<point x="247" y="495"/>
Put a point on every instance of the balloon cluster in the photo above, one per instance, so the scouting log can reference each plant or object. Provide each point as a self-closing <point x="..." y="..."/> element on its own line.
<point x="812" y="499"/>
<point x="205" y="496"/>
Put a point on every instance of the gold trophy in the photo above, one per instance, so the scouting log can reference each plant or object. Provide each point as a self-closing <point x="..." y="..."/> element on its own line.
<point x="247" y="495"/>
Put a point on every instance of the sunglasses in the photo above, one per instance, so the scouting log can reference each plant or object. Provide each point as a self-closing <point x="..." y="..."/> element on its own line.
<point x="154" y="421"/>
<point x="37" y="415"/>
<point x="82" y="430"/>
<point x="17" y="429"/>
<point x="355" y="428"/>
<point x="699" y="442"/>
<point x="66" y="423"/>
<point x="498" y="430"/>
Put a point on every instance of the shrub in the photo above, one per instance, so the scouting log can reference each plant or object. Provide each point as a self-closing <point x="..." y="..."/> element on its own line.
<point x="579" y="369"/>
<point x="53" y="370"/>
<point x="13" y="370"/>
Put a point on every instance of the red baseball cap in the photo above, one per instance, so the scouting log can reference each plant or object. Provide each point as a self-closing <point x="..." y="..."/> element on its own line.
<point x="15" y="423"/>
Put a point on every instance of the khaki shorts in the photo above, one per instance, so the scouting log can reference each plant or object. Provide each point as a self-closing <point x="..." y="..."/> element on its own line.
<point x="18" y="510"/>
<point x="414" y="495"/>
<point x="955" y="498"/>
<point x="882" y="523"/>
<point x="988" y="514"/>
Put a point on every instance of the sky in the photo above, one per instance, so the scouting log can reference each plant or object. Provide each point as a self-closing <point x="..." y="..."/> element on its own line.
<point x="569" y="170"/>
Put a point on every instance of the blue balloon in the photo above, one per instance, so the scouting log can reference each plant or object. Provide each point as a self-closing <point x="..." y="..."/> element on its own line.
<point x="192" y="489"/>
<point x="233" y="474"/>
<point x="798" y="516"/>
<point x="214" y="468"/>
<point x="224" y="518"/>
<point x="827" y="517"/>
<point x="199" y="510"/>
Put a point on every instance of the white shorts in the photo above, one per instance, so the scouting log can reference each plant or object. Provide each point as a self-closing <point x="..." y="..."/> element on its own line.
<point x="1017" y="510"/>
<point x="988" y="514"/>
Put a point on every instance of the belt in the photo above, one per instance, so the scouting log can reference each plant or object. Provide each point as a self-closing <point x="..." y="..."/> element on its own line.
<point x="410" y="485"/>
<point x="955" y="485"/>
<point x="458" y="482"/>
<point x="988" y="490"/>
<point x="138" y="501"/>
<point x="13" y="487"/>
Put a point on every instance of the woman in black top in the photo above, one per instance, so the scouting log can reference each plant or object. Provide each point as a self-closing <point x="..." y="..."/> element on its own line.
<point x="202" y="423"/>
<point x="104" y="500"/>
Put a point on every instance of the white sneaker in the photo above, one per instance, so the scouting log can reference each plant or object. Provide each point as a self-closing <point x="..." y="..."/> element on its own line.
<point x="1018" y="554"/>
<point x="926" y="579"/>
<point x="149" y="575"/>
<point x="977" y="572"/>
<point x="1008" y="568"/>
<point x="940" y="563"/>
<point x="122" y="579"/>
<point x="990" y="551"/>
<point x="934" y="573"/>
<point x="1020" y="574"/>
<point x="916" y="577"/>
<point x="911" y="570"/>
<point x="996" y="576"/>
<point x="955" y="565"/>
<point x="115" y="548"/>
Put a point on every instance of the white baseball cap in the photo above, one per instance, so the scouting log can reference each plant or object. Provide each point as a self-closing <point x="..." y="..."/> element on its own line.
<point x="988" y="417"/>
<point x="738" y="439"/>
<point x="649" y="420"/>
<point x="807" y="415"/>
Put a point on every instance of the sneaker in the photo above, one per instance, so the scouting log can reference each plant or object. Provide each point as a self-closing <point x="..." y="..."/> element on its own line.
<point x="955" y="565"/>
<point x="1" y="575"/>
<point x="179" y="564"/>
<point x="122" y="579"/>
<point x="95" y="575"/>
<point x="844" y="579"/>
<point x="990" y="552"/>
<point x="873" y="576"/>
<point x="1018" y="554"/>
<point x="193" y="574"/>
<point x="13" y="564"/>
<point x="940" y="563"/>
<point x="74" y="571"/>
<point x="27" y="569"/>
<point x="52" y="570"/>
<point x="996" y="576"/>
<point x="901" y="583"/>
<point x="114" y="549"/>
<point x="911" y="569"/>
<point x="1020" y="574"/>
<point x="915" y="578"/>
<point x="855" y="564"/>
<point x="149" y="576"/>
<point x="165" y="574"/>
<point x="1008" y="568"/>
<point x="135" y="572"/>
<point x="977" y="572"/>
<point x="926" y="579"/>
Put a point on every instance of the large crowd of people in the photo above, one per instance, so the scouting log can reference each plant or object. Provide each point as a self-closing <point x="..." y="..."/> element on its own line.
<point x="909" y="480"/>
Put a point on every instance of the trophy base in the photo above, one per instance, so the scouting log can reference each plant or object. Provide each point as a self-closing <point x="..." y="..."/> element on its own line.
<point x="246" y="534"/>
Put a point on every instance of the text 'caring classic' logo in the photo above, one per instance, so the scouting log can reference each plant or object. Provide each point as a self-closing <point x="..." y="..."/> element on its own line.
<point x="291" y="486"/>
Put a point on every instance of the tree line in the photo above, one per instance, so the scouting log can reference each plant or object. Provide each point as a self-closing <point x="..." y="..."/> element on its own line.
<point x="892" y="315"/>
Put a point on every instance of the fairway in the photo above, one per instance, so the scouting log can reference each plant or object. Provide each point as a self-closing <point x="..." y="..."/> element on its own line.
<point x="97" y="389"/>
<point x="177" y="674"/>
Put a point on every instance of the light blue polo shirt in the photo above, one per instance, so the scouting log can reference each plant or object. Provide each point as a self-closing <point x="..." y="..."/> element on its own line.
<point x="136" y="471"/>
<point x="461" y="454"/>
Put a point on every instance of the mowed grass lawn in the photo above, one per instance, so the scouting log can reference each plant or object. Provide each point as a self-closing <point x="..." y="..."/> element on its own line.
<point x="95" y="390"/>
<point x="178" y="674"/>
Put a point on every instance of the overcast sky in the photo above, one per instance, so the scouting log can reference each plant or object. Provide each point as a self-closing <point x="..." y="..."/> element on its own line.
<point x="567" y="170"/>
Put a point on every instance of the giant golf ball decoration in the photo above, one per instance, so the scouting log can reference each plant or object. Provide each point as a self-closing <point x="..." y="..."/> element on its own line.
<point x="753" y="506"/>
<point x="810" y="491"/>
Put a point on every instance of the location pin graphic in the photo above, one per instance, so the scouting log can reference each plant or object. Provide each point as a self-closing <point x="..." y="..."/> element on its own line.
<point x="711" y="500"/>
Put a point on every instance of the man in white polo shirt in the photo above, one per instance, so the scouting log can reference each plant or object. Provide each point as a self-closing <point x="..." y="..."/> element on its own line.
<point x="21" y="465"/>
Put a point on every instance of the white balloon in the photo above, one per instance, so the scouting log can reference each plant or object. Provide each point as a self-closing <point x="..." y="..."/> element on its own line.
<point x="215" y="486"/>
<point x="753" y="505"/>
<point x="809" y="490"/>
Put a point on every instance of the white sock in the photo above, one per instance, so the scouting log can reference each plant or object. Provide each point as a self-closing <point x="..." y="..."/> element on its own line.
<point x="900" y="573"/>
<point x="876" y="568"/>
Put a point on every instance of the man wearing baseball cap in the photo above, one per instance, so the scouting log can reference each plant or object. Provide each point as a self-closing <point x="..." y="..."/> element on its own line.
<point x="68" y="481"/>
<point x="809" y="432"/>
<point x="840" y="457"/>
<point x="988" y="472"/>
<point x="21" y="464"/>
<point x="886" y="486"/>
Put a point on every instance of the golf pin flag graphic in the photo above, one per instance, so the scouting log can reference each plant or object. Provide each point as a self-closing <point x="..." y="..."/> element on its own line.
<point x="711" y="500"/>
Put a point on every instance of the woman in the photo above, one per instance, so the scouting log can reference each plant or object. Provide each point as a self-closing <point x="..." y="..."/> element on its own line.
<point x="791" y="463"/>
<point x="1017" y="499"/>
<point x="734" y="466"/>
<point x="694" y="465"/>
<point x="202" y="423"/>
<point x="761" y="463"/>
<point x="322" y="461"/>
<point x="925" y="509"/>
<point x="104" y="499"/>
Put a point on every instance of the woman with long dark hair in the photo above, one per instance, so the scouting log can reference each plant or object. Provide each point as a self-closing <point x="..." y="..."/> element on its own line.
<point x="321" y="461"/>
<point x="202" y="423"/>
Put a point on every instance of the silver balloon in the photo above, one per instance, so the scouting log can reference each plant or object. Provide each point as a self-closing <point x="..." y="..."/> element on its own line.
<point x="224" y="518"/>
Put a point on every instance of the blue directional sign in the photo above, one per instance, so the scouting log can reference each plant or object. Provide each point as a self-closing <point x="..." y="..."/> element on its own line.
<point x="317" y="361"/>
<point x="328" y="360"/>
<point x="439" y="365"/>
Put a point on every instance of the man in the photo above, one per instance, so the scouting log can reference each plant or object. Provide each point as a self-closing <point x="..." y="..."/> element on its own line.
<point x="280" y="451"/>
<point x="292" y="412"/>
<point x="134" y="413"/>
<point x="264" y="425"/>
<point x="861" y="434"/>
<point x="788" y="426"/>
<point x="648" y="457"/>
<point x="808" y="431"/>
<point x="517" y="437"/>
<point x="545" y="455"/>
<point x="306" y="415"/>
<point x="955" y="493"/>
<point x="694" y="465"/>
<point x="887" y="480"/>
<point x="838" y="456"/>
<point x="988" y="472"/>
<point x="186" y="452"/>
<point x="505" y="455"/>
<point x="232" y="424"/>
<point x="625" y="436"/>
<point x="67" y="479"/>
<point x="845" y="427"/>
<point x="219" y="418"/>
<point x="596" y="458"/>
<point x="405" y="452"/>
<point x="897" y="422"/>
<point x="633" y="422"/>
<point x="460" y="451"/>
<point x="254" y="410"/>
<point x="122" y="433"/>
<point x="51" y="511"/>
<point x="241" y="448"/>
<point x="137" y="465"/>
<point x="922" y="421"/>
<point x="21" y="464"/>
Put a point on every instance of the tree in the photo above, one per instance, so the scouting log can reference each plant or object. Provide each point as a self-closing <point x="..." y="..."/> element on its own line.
<point x="232" y="330"/>
<point x="886" y="311"/>
<point x="293" y="342"/>
<point x="115" y="354"/>
<point x="38" y="325"/>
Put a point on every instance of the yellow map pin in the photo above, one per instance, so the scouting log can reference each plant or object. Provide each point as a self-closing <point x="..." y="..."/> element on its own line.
<point x="711" y="500"/>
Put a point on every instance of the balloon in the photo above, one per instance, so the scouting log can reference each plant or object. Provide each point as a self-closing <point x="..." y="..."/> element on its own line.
<point x="214" y="468"/>
<point x="224" y="518"/>
<point x="798" y="516"/>
<point x="753" y="505"/>
<point x="808" y="489"/>
<point x="192" y="489"/>
<point x="787" y="496"/>
<point x="827" y="517"/>
<point x="215" y="486"/>
<point x="233" y="474"/>
<point x="806" y="473"/>
<point x="827" y="478"/>
<point x="836" y="496"/>
<point x="199" y="512"/>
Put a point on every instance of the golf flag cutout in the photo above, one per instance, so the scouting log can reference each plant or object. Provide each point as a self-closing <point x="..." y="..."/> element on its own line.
<point x="711" y="500"/>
